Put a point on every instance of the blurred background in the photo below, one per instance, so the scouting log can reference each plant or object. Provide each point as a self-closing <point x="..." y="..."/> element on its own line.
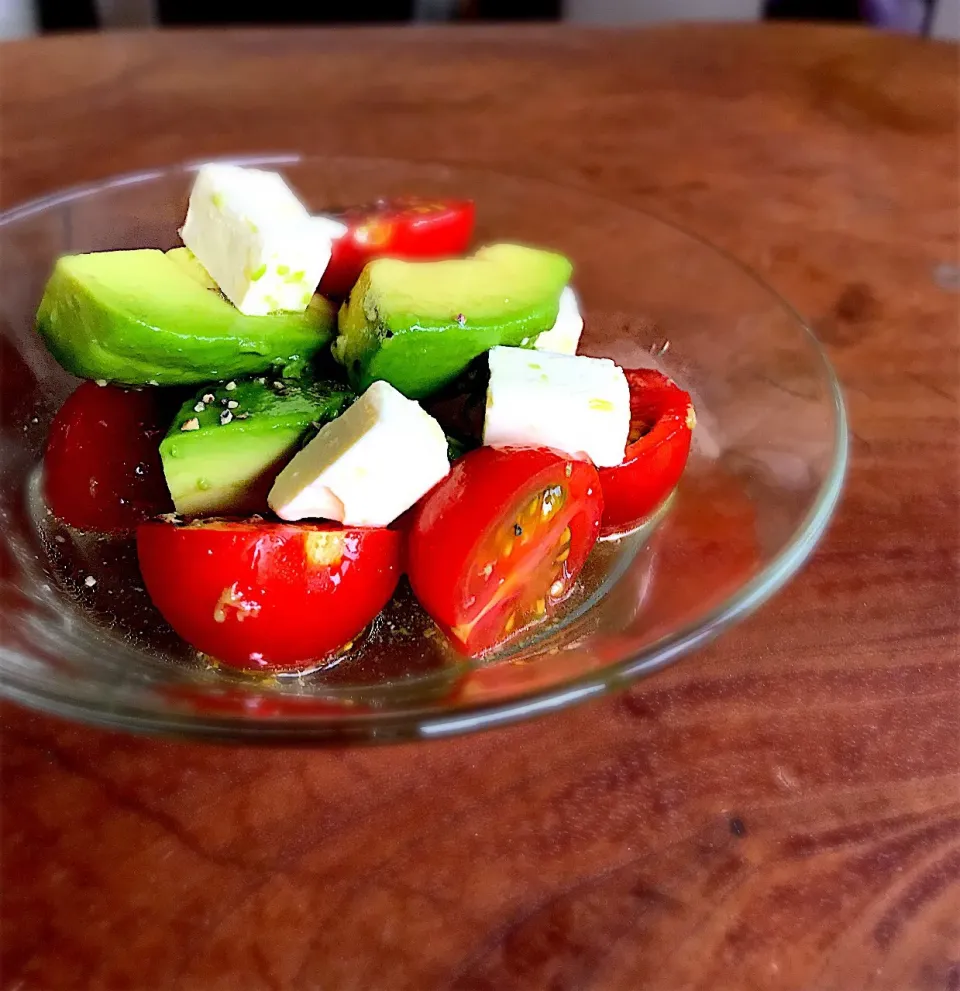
<point x="19" y="18"/>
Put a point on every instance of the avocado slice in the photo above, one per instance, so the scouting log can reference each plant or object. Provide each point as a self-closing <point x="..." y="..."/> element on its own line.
<point x="417" y="325"/>
<point x="186" y="260"/>
<point x="147" y="318"/>
<point x="222" y="458"/>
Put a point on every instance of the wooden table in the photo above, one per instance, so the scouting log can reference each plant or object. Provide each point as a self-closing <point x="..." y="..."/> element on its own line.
<point x="780" y="811"/>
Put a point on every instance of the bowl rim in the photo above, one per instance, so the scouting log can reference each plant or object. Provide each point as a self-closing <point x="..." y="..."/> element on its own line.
<point x="425" y="723"/>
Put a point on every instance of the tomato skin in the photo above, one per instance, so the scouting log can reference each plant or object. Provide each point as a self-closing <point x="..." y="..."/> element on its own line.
<point x="268" y="596"/>
<point x="102" y="468"/>
<point x="653" y="464"/>
<point x="453" y="537"/>
<point x="407" y="227"/>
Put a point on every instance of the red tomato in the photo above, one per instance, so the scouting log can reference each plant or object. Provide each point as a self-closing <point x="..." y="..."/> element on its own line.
<point x="409" y="227"/>
<point x="499" y="542"/>
<point x="102" y="467"/>
<point x="267" y="596"/>
<point x="662" y="420"/>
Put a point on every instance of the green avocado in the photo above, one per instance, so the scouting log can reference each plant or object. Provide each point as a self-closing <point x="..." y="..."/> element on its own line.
<point x="417" y="325"/>
<point x="186" y="260"/>
<point x="148" y="318"/>
<point x="229" y="442"/>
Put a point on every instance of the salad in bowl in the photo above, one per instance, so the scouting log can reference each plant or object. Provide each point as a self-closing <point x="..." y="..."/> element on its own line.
<point x="297" y="413"/>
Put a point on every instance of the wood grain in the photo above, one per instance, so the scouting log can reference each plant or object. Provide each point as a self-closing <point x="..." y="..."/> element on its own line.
<point x="780" y="811"/>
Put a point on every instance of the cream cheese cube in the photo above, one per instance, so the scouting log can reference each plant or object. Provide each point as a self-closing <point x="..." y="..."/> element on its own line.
<point x="366" y="467"/>
<point x="573" y="404"/>
<point x="256" y="239"/>
<point x="564" y="336"/>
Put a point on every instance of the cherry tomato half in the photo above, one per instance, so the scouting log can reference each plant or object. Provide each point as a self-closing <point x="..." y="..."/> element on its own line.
<point x="267" y="596"/>
<point x="661" y="423"/>
<point x="407" y="227"/>
<point x="499" y="542"/>
<point x="102" y="467"/>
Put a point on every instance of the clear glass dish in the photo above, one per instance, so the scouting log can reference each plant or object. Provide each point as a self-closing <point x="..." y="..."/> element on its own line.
<point x="763" y="480"/>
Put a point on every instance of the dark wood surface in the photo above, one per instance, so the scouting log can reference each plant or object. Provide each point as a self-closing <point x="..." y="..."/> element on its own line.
<point x="780" y="811"/>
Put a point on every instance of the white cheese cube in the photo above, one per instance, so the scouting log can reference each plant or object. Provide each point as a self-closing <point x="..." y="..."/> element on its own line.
<point x="366" y="467"/>
<point x="256" y="239"/>
<point x="574" y="404"/>
<point x="564" y="336"/>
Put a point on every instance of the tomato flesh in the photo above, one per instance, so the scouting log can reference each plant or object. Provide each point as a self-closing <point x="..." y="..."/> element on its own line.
<point x="661" y="425"/>
<point x="268" y="596"/>
<point x="406" y="227"/>
<point x="102" y="468"/>
<point x="496" y="545"/>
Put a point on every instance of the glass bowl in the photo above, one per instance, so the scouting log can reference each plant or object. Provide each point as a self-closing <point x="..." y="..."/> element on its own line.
<point x="764" y="477"/>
